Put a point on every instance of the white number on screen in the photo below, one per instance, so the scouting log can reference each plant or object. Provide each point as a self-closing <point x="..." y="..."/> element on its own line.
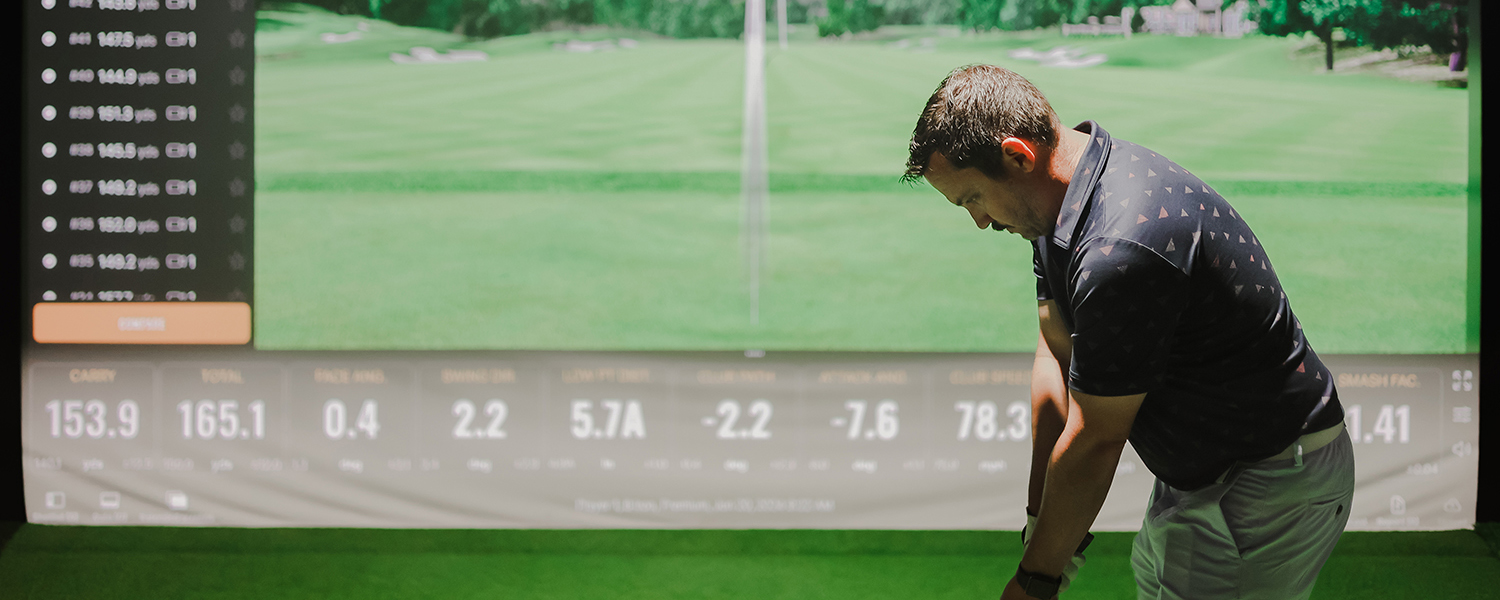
<point x="623" y="420"/>
<point x="729" y="413"/>
<point x="209" y="420"/>
<point x="981" y="420"/>
<point x="335" y="420"/>
<point x="465" y="410"/>
<point x="887" y="420"/>
<point x="77" y="418"/>
<point x="1392" y="424"/>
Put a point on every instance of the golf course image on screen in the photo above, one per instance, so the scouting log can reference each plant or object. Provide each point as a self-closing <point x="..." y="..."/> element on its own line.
<point x="579" y="188"/>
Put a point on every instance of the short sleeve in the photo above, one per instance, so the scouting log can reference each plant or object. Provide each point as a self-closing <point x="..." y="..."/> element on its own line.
<point x="1043" y="291"/>
<point x="1127" y="301"/>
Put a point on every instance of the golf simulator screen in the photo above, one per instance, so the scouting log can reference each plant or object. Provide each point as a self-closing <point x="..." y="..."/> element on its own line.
<point x="287" y="265"/>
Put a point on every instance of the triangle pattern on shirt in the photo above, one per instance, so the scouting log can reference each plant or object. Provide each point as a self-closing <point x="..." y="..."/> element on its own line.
<point x="1134" y="158"/>
<point x="1237" y="289"/>
<point x="1084" y="275"/>
<point x="1148" y="192"/>
<point x="1150" y="173"/>
<point x="1125" y="202"/>
<point x="1196" y="235"/>
<point x="1184" y="212"/>
<point x="1216" y="211"/>
<point x="1232" y="265"/>
<point x="1140" y="219"/>
<point x="1187" y="190"/>
<point x="1163" y="213"/>
<point x="1171" y="247"/>
<point x="1107" y="249"/>
<point x="1169" y="190"/>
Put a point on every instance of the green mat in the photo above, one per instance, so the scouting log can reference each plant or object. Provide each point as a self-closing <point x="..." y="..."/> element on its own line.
<point x="160" y="563"/>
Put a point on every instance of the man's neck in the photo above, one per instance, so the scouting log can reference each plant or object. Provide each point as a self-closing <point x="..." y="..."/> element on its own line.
<point x="1071" y="144"/>
<point x="1061" y="164"/>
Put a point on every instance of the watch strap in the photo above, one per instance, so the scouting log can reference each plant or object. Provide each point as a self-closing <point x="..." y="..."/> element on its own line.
<point x="1037" y="585"/>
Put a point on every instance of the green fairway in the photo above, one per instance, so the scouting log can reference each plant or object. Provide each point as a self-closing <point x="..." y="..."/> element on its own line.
<point x="554" y="200"/>
<point x="46" y="562"/>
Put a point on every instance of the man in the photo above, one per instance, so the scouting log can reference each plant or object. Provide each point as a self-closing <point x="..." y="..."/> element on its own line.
<point x="1162" y="323"/>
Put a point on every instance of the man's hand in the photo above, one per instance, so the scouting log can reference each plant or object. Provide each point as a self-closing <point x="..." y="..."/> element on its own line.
<point x="1070" y="572"/>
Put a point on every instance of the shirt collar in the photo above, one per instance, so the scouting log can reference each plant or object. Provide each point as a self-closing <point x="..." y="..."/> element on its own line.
<point x="1076" y="202"/>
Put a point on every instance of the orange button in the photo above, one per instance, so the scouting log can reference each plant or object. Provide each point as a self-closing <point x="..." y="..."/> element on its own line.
<point x="141" y="323"/>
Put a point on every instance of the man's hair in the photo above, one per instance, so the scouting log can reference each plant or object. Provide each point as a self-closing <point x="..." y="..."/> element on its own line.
<point x="973" y="110"/>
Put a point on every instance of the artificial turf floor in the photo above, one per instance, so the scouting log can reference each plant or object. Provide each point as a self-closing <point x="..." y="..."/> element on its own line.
<point x="165" y="563"/>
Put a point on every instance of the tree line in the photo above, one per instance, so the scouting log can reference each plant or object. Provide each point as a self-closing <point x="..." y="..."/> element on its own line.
<point x="1441" y="25"/>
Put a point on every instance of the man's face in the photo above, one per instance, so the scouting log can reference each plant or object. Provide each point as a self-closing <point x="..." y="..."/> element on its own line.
<point x="992" y="204"/>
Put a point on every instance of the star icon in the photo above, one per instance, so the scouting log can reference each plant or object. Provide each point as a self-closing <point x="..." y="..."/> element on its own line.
<point x="237" y="296"/>
<point x="237" y="113"/>
<point x="237" y="39"/>
<point x="237" y="150"/>
<point x="237" y="224"/>
<point x="237" y="76"/>
<point x="237" y="262"/>
<point x="237" y="5"/>
<point x="237" y="187"/>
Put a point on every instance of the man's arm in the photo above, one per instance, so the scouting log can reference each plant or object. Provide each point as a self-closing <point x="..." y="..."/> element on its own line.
<point x="1079" y="473"/>
<point x="1049" y="397"/>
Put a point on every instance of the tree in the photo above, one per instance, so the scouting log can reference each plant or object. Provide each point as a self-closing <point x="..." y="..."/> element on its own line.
<point x="850" y="16"/>
<point x="979" y="15"/>
<point x="1439" y="25"/>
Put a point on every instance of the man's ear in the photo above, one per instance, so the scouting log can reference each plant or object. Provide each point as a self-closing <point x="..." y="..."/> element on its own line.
<point x="1019" y="154"/>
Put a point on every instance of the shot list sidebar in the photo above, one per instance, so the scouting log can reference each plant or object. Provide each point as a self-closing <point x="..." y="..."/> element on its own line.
<point x="139" y="170"/>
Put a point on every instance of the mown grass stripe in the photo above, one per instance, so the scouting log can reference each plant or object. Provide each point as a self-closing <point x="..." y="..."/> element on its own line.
<point x="727" y="182"/>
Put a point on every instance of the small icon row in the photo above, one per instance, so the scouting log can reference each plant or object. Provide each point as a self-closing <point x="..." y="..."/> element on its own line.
<point x="174" y="500"/>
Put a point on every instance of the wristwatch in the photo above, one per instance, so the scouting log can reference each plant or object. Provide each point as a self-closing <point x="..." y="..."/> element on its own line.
<point x="1037" y="585"/>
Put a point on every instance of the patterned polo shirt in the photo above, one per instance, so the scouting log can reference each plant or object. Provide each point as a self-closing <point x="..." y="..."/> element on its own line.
<point x="1167" y="292"/>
